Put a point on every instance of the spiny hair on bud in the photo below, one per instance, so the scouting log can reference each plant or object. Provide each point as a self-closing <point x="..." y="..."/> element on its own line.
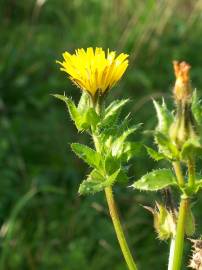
<point x="196" y="258"/>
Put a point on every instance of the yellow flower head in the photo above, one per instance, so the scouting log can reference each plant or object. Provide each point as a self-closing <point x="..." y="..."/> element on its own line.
<point x="94" y="70"/>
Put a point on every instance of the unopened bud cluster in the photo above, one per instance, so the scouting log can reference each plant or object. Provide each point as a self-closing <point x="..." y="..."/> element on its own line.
<point x="196" y="259"/>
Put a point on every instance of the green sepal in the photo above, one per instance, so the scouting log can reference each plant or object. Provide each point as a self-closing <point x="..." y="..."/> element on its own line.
<point x="154" y="154"/>
<point x="191" y="148"/>
<point x="96" y="182"/>
<point x="74" y="114"/>
<point x="89" y="119"/>
<point x="83" y="116"/>
<point x="90" y="156"/>
<point x="165" y="118"/>
<point x="84" y="102"/>
<point x="112" y="112"/>
<point x="164" y="222"/>
<point x="156" y="180"/>
<point x="189" y="222"/>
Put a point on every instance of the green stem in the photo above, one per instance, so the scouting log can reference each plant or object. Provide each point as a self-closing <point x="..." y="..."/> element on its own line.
<point x="179" y="241"/>
<point x="171" y="254"/>
<point x="191" y="171"/>
<point x="115" y="217"/>
<point x="119" y="230"/>
<point x="178" y="172"/>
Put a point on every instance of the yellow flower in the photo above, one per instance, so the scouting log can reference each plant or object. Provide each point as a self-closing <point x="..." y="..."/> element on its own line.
<point x="94" y="70"/>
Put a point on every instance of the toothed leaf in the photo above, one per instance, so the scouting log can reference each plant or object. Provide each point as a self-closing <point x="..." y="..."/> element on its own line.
<point x="112" y="112"/>
<point x="90" y="156"/>
<point x="96" y="182"/>
<point x="156" y="180"/>
<point x="164" y="116"/>
<point x="154" y="154"/>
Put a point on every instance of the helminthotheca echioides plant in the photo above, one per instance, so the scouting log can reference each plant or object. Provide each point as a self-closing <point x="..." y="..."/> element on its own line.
<point x="95" y="72"/>
<point x="177" y="138"/>
<point x="178" y="141"/>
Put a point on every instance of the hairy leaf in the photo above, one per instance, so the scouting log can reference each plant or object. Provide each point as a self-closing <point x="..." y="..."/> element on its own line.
<point x="90" y="156"/>
<point x="112" y="111"/>
<point x="154" y="154"/>
<point x="156" y="180"/>
<point x="70" y="105"/>
<point x="96" y="182"/>
<point x="164" y="116"/>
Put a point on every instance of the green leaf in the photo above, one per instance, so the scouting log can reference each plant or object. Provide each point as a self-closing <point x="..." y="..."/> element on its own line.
<point x="90" y="156"/>
<point x="191" y="148"/>
<point x="156" y="180"/>
<point x="154" y="154"/>
<point x="84" y="102"/>
<point x="70" y="105"/>
<point x="189" y="222"/>
<point x="117" y="148"/>
<point x="112" y="112"/>
<point x="122" y="177"/>
<point x="83" y="116"/>
<point x="88" y="119"/>
<point x="96" y="182"/>
<point x="196" y="108"/>
<point x="130" y="150"/>
<point x="165" y="118"/>
<point x="111" y="164"/>
<point x="166" y="146"/>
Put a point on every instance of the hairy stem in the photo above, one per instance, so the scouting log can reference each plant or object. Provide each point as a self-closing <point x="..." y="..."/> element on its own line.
<point x="115" y="217"/>
<point x="179" y="241"/>
<point x="191" y="171"/>
<point x="119" y="230"/>
<point x="178" y="172"/>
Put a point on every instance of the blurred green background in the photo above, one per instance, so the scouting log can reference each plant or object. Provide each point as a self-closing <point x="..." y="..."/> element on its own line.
<point x="45" y="225"/>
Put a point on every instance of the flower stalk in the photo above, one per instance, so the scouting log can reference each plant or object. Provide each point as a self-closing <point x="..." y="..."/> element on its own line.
<point x="119" y="230"/>
<point x="179" y="241"/>
<point x="116" y="220"/>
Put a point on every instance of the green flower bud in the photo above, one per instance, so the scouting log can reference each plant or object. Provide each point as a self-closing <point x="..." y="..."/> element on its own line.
<point x="164" y="221"/>
<point x="184" y="126"/>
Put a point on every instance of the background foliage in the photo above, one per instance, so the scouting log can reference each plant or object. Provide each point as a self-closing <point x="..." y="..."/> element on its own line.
<point x="44" y="223"/>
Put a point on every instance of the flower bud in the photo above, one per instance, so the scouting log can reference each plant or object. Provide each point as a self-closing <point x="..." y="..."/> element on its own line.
<point x="164" y="221"/>
<point x="182" y="90"/>
<point x="184" y="126"/>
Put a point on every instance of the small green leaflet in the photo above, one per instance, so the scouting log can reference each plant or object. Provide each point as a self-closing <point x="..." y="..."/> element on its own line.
<point x="84" y="116"/>
<point x="70" y="105"/>
<point x="154" y="154"/>
<point x="164" y="116"/>
<point x="90" y="156"/>
<point x="112" y="111"/>
<point x="156" y="180"/>
<point x="96" y="182"/>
